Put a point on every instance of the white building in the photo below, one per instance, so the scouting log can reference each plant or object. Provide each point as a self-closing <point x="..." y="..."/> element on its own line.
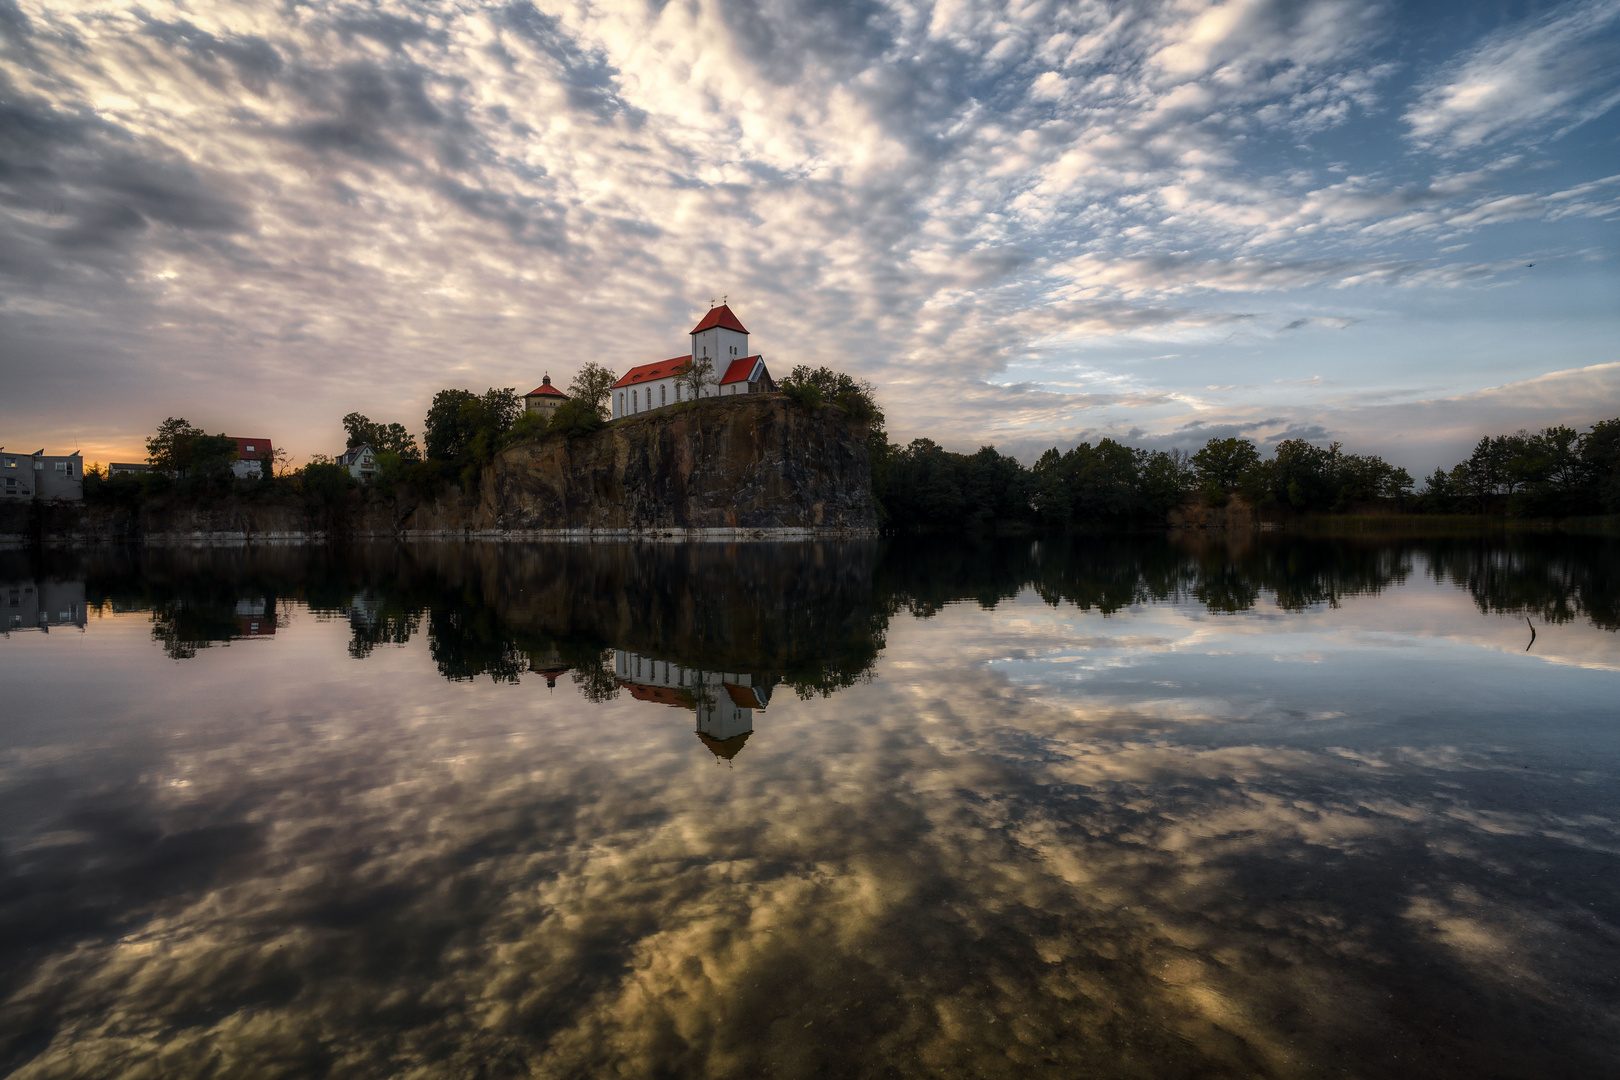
<point x="41" y="605"/>
<point x="361" y="461"/>
<point x="41" y="476"/>
<point x="719" y="338"/>
<point x="724" y="701"/>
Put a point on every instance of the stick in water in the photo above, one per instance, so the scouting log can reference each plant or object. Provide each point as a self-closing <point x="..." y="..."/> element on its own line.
<point x="1532" y="632"/>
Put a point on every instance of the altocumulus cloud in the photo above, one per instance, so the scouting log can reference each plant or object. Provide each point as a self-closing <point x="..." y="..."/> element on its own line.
<point x="1027" y="224"/>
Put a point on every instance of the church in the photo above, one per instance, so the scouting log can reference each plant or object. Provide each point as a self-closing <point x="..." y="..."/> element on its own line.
<point x="722" y="340"/>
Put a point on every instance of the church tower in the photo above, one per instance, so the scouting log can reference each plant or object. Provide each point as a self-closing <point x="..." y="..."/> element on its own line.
<point x="721" y="337"/>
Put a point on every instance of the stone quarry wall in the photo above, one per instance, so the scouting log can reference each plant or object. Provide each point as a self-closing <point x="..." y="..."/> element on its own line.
<point x="755" y="466"/>
<point x="739" y="465"/>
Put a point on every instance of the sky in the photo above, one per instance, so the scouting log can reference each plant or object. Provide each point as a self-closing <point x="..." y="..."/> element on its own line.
<point x="1027" y="224"/>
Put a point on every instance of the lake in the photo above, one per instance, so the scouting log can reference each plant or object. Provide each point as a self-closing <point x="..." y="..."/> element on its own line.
<point x="1132" y="807"/>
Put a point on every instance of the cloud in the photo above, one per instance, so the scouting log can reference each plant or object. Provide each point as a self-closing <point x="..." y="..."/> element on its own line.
<point x="1557" y="73"/>
<point x="466" y="193"/>
<point x="975" y="853"/>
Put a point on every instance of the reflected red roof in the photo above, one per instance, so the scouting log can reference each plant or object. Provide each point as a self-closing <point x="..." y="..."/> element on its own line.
<point x="743" y="696"/>
<point x="662" y="695"/>
<point x="724" y="748"/>
<point x="738" y="370"/>
<point x="720" y="316"/>
<point x="661" y="370"/>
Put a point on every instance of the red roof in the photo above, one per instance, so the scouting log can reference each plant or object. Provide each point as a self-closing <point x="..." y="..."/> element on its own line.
<point x="719" y="316"/>
<point x="739" y="370"/>
<point x="661" y="370"/>
<point x="545" y="390"/>
<point x="743" y="696"/>
<point x="260" y="447"/>
<point x="663" y="695"/>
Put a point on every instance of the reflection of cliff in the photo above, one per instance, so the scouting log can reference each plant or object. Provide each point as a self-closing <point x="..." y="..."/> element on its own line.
<point x="723" y="702"/>
<point x="803" y="609"/>
<point x="813" y="613"/>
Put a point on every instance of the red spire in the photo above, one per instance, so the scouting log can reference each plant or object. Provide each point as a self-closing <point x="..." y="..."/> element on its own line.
<point x="719" y="316"/>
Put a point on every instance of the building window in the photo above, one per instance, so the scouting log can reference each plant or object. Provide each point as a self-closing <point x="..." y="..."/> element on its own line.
<point x="635" y="401"/>
<point x="250" y="448"/>
<point x="677" y="391"/>
<point x="661" y="391"/>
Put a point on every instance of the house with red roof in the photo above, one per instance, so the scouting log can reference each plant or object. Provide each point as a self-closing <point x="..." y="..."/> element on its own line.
<point x="722" y="340"/>
<point x="254" y="457"/>
<point x="544" y="398"/>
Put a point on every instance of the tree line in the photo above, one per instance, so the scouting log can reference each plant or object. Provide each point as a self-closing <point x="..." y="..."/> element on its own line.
<point x="1558" y="472"/>
<point x="921" y="486"/>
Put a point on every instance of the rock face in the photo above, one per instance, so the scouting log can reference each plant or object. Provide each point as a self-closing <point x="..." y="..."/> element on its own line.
<point x="756" y="463"/>
<point x="736" y="467"/>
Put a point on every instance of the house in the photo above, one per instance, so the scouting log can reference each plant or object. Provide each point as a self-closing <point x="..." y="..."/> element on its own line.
<point x="41" y="476"/>
<point x="361" y="461"/>
<point x="720" y="338"/>
<point x="544" y="398"/>
<point x="254" y="457"/>
<point x="133" y="468"/>
<point x="723" y="701"/>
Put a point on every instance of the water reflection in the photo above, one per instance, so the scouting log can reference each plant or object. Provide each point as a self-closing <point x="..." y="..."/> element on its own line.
<point x="1133" y="809"/>
<point x="815" y="613"/>
<point x="723" y="702"/>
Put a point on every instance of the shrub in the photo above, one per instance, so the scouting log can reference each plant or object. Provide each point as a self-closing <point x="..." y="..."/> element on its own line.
<point x="575" y="417"/>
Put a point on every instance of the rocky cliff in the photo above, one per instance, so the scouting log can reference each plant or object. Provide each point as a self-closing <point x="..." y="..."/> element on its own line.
<point x="744" y="464"/>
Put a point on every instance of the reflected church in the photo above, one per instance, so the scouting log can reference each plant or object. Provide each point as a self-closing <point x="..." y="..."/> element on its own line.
<point x="723" y="701"/>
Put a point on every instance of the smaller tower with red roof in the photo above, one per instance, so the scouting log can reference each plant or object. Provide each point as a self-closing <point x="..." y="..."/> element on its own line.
<point x="544" y="398"/>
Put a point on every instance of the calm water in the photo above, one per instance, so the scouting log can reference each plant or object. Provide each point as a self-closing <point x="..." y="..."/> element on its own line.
<point x="1139" y="808"/>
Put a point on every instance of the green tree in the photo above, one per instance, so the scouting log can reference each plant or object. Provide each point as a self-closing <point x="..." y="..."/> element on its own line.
<point x="178" y="449"/>
<point x="382" y="438"/>
<point x="1222" y="462"/>
<point x="594" y="386"/>
<point x="1600" y="459"/>
<point x="576" y="417"/>
<point x="169" y="450"/>
<point x="465" y="428"/>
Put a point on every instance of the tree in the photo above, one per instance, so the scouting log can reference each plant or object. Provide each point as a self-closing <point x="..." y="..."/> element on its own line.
<point x="382" y="438"/>
<point x="857" y="397"/>
<point x="169" y="451"/>
<point x="1600" y="456"/>
<point x="465" y="427"/>
<point x="1222" y="462"/>
<point x="181" y="450"/>
<point x="695" y="375"/>
<point x="576" y="417"/>
<point x="594" y="386"/>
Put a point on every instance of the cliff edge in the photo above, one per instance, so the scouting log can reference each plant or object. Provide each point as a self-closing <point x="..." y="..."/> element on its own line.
<point x="755" y="463"/>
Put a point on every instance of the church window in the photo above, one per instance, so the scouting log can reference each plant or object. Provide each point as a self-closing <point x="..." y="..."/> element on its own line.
<point x="661" y="392"/>
<point x="635" y="401"/>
